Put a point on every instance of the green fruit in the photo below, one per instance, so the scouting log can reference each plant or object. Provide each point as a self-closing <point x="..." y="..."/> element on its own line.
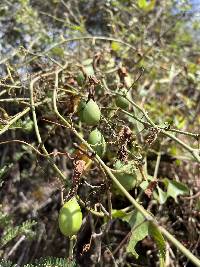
<point x="80" y="78"/>
<point x="70" y="218"/>
<point x="89" y="112"/>
<point x="97" y="142"/>
<point x="127" y="176"/>
<point x="121" y="101"/>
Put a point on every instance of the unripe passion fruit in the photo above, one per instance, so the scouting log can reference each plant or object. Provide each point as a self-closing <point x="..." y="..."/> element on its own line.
<point x="97" y="142"/>
<point x="121" y="101"/>
<point x="127" y="176"/>
<point x="89" y="112"/>
<point x="70" y="217"/>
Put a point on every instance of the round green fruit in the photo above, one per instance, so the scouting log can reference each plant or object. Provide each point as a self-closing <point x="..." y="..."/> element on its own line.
<point x="122" y="102"/>
<point x="89" y="112"/>
<point x="97" y="142"/>
<point x="70" y="218"/>
<point x="127" y="175"/>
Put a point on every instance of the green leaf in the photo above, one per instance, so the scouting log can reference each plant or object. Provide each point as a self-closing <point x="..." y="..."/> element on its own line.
<point x="197" y="206"/>
<point x="87" y="61"/>
<point x="5" y="263"/>
<point x="174" y="188"/>
<point x="28" y="125"/>
<point x="11" y="232"/>
<point x="89" y="70"/>
<point x="142" y="4"/>
<point x="51" y="261"/>
<point x="146" y="5"/>
<point x="44" y="262"/>
<point x="162" y="196"/>
<point x="79" y="28"/>
<point x="160" y="242"/>
<point x="144" y="184"/>
<point x="5" y="219"/>
<point x="116" y="46"/>
<point x="139" y="231"/>
<point x="58" y="51"/>
<point x="118" y="213"/>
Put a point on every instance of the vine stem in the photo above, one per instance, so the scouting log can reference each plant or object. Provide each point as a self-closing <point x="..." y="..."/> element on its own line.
<point x="79" y="39"/>
<point x="12" y="121"/>
<point x="37" y="129"/>
<point x="20" y="115"/>
<point x="149" y="122"/>
<point x="148" y="216"/>
<point x="71" y="247"/>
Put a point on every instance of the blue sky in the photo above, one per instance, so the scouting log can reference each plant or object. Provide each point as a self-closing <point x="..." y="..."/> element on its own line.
<point x="196" y="6"/>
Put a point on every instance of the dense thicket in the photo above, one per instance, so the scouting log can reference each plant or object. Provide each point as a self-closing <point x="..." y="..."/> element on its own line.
<point x="93" y="93"/>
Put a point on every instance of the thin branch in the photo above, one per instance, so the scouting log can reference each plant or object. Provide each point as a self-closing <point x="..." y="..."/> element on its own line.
<point x="157" y="165"/>
<point x="104" y="38"/>
<point x="37" y="129"/>
<point x="12" y="121"/>
<point x="193" y="151"/>
<point x="14" y="99"/>
<point x="25" y="143"/>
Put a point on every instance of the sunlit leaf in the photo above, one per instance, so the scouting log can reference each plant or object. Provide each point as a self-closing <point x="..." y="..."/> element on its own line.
<point x="118" y="213"/>
<point x="142" y="3"/>
<point x="115" y="46"/>
<point x="79" y="28"/>
<point x="89" y="70"/>
<point x="162" y="196"/>
<point x="87" y="61"/>
<point x="174" y="188"/>
<point x="146" y="5"/>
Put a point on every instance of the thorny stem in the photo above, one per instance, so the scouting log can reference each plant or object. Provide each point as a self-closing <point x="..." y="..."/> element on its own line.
<point x="148" y="216"/>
